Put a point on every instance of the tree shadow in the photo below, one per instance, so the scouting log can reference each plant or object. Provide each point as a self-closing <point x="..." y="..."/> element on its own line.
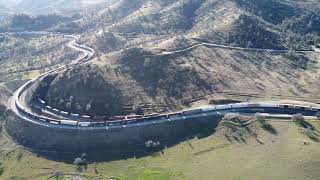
<point x="268" y="127"/>
<point x="313" y="136"/>
<point x="305" y="125"/>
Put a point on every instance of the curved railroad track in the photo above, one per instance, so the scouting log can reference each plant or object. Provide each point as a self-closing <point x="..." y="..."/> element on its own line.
<point x="76" y="122"/>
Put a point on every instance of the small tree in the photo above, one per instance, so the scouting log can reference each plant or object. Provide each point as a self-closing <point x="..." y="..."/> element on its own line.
<point x="298" y="118"/>
<point x="259" y="118"/>
<point x="137" y="109"/>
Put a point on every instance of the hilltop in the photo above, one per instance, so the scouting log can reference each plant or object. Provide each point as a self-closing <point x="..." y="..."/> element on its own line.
<point x="128" y="70"/>
<point x="129" y="37"/>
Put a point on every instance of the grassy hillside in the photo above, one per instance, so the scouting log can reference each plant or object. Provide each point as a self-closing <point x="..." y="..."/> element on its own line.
<point x="24" y="57"/>
<point x="230" y="153"/>
<point x="128" y="36"/>
<point x="172" y="82"/>
<point x="267" y="24"/>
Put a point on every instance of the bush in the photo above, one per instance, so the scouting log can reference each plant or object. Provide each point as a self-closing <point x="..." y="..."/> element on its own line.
<point x="300" y="121"/>
<point x="298" y="118"/>
<point x="137" y="109"/>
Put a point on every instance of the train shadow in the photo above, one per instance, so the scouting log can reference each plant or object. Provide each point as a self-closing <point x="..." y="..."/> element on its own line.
<point x="140" y="151"/>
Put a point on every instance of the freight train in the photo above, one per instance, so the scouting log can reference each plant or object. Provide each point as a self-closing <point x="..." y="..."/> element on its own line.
<point x="87" y="121"/>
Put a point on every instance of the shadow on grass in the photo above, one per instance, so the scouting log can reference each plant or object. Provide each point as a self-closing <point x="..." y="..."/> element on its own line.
<point x="305" y="124"/>
<point x="267" y="127"/>
<point x="313" y="136"/>
<point x="134" y="150"/>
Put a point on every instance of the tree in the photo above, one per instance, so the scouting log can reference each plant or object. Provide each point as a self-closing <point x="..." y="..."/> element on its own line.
<point x="137" y="108"/>
<point x="298" y="118"/>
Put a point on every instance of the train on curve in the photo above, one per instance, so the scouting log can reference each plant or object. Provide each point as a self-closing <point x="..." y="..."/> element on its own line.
<point x="88" y="121"/>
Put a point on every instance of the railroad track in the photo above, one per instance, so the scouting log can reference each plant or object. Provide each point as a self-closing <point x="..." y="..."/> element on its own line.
<point x="75" y="122"/>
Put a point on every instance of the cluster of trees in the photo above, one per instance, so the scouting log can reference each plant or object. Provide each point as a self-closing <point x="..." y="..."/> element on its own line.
<point x="20" y="54"/>
<point x="250" y="33"/>
<point x="108" y="41"/>
<point x="301" y="31"/>
<point x="83" y="89"/>
<point x="161" y="75"/>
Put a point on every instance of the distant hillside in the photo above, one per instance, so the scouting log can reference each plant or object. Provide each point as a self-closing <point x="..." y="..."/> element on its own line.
<point x="23" y="22"/>
<point x="173" y="82"/>
<point x="266" y="24"/>
<point x="128" y="34"/>
<point x="48" y="6"/>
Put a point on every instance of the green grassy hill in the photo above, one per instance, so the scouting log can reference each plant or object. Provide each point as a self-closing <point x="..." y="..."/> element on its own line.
<point x="245" y="153"/>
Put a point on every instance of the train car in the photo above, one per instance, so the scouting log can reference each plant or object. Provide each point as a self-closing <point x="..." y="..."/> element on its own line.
<point x="208" y="108"/>
<point x="84" y="124"/>
<point x="69" y="123"/>
<point x="19" y="107"/>
<point x="74" y="115"/>
<point x="239" y="105"/>
<point x="269" y="105"/>
<point x="42" y="102"/>
<point x="133" y="117"/>
<point x="48" y="108"/>
<point x="174" y="115"/>
<point x="222" y="107"/>
<point x="152" y="115"/>
<point x="302" y="107"/>
<point x="63" y="113"/>
<point x="315" y="108"/>
<point x="128" y="121"/>
<point x="98" y="124"/>
<point x="55" y="110"/>
<point x="54" y="122"/>
<point x="116" y="118"/>
<point x="86" y="117"/>
<point x="286" y="106"/>
<point x="100" y="118"/>
<point x="191" y="111"/>
<point x="146" y="119"/>
<point x="42" y="119"/>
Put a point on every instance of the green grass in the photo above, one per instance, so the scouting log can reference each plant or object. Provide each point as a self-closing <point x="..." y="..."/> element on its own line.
<point x="275" y="156"/>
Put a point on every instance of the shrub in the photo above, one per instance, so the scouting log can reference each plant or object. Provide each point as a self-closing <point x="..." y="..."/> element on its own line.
<point x="298" y="118"/>
<point x="300" y="121"/>
<point x="137" y="109"/>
